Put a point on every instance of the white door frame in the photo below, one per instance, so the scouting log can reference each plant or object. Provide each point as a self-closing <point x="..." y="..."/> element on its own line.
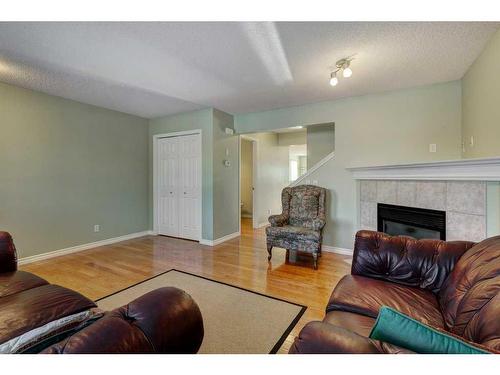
<point x="255" y="148"/>
<point x="156" y="138"/>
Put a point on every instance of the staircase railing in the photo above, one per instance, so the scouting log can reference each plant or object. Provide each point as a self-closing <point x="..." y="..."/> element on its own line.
<point x="315" y="167"/>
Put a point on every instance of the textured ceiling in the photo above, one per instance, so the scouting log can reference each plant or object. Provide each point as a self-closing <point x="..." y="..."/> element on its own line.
<point x="155" y="69"/>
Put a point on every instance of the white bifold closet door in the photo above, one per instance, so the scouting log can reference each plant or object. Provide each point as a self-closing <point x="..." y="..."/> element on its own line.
<point x="179" y="190"/>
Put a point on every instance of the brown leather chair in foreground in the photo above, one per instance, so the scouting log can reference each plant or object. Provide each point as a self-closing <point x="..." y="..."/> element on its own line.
<point x="453" y="286"/>
<point x="166" y="320"/>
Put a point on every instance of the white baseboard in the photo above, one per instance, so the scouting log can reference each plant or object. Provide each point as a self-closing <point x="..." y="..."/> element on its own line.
<point x="337" y="250"/>
<point x="74" y="249"/>
<point x="219" y="240"/>
<point x="264" y="224"/>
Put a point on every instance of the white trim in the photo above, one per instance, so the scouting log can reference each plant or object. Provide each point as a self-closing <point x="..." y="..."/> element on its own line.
<point x="313" y="169"/>
<point x="337" y="250"/>
<point x="255" y="179"/>
<point x="239" y="184"/>
<point x="77" y="248"/>
<point x="219" y="240"/>
<point x="487" y="169"/>
<point x="156" y="137"/>
<point x="264" y="224"/>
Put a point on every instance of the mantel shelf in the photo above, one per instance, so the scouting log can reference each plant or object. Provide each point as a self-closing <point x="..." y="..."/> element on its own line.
<point x="487" y="169"/>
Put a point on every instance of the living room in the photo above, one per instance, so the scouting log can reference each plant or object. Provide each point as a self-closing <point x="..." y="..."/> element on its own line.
<point x="249" y="187"/>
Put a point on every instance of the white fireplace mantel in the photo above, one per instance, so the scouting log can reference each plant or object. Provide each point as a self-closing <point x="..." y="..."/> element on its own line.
<point x="487" y="169"/>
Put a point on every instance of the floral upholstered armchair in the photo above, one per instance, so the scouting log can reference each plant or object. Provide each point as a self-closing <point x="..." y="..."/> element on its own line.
<point x="300" y="226"/>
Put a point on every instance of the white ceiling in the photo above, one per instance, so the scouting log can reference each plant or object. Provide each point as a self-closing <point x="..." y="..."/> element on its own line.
<point x="155" y="69"/>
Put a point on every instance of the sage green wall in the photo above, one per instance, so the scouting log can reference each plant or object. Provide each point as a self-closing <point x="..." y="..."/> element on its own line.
<point x="481" y="103"/>
<point x="202" y="119"/>
<point x="66" y="166"/>
<point x="226" y="179"/>
<point x="320" y="142"/>
<point x="393" y="127"/>
<point x="481" y="119"/>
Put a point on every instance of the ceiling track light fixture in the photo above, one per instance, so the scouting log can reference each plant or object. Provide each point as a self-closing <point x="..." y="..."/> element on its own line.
<point x="341" y="65"/>
<point x="333" y="79"/>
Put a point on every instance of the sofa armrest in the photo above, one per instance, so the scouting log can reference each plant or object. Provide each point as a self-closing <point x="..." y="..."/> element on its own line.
<point x="278" y="220"/>
<point x="8" y="254"/>
<point x="405" y="260"/>
<point x="324" y="338"/>
<point x="165" y="320"/>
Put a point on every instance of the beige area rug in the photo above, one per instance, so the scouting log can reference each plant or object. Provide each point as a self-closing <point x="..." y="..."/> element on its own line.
<point x="236" y="320"/>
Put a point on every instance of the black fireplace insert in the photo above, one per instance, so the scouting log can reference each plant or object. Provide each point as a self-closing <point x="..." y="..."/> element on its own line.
<point x="410" y="221"/>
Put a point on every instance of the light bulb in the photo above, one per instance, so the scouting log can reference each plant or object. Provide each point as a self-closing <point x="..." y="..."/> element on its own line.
<point x="347" y="72"/>
<point x="333" y="79"/>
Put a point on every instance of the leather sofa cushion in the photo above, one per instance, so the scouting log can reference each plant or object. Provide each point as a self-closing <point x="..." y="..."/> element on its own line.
<point x="41" y="305"/>
<point x="15" y="282"/>
<point x="295" y="232"/>
<point x="363" y="295"/>
<point x="360" y="324"/>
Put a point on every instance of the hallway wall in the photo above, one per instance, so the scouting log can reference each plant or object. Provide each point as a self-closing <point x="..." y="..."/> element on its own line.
<point x="272" y="175"/>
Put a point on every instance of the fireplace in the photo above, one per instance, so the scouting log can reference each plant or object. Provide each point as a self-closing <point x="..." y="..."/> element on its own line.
<point x="411" y="221"/>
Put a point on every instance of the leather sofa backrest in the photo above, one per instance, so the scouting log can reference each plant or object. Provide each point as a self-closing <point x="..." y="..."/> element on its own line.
<point x="405" y="260"/>
<point x="470" y="298"/>
<point x="303" y="203"/>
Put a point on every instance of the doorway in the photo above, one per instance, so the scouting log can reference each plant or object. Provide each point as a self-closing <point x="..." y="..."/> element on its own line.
<point x="248" y="177"/>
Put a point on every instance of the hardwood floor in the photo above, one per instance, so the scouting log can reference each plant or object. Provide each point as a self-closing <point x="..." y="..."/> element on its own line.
<point x="241" y="261"/>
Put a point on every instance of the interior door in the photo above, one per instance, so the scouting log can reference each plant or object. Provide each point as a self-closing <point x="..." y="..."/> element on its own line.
<point x="190" y="186"/>
<point x="168" y="189"/>
<point x="179" y="186"/>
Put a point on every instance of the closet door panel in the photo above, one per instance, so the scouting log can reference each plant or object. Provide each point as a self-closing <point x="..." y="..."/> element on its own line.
<point x="168" y="163"/>
<point x="190" y="186"/>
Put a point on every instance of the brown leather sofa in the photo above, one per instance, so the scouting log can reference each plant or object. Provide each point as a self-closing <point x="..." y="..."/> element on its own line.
<point x="452" y="286"/>
<point x="166" y="320"/>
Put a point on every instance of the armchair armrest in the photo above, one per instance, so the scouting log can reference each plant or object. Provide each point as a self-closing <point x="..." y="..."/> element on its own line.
<point x="8" y="254"/>
<point x="405" y="260"/>
<point x="165" y="320"/>
<point x="278" y="220"/>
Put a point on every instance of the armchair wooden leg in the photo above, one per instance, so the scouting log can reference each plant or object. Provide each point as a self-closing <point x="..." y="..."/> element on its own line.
<point x="269" y="250"/>
<point x="315" y="258"/>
